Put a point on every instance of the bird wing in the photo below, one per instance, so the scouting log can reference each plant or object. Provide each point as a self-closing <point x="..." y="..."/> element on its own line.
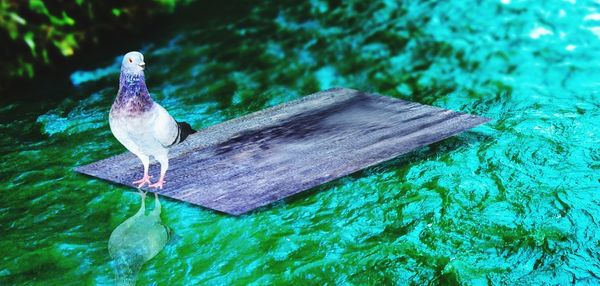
<point x="165" y="127"/>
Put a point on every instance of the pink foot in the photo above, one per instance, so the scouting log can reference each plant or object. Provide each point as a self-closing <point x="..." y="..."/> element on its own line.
<point x="141" y="182"/>
<point x="159" y="184"/>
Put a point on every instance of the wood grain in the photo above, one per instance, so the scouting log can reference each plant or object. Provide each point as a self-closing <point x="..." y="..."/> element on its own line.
<point x="252" y="161"/>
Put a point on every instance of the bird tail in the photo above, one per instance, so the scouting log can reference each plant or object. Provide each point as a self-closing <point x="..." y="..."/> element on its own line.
<point x="185" y="130"/>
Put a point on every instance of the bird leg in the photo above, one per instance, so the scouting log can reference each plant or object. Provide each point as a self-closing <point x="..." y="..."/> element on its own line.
<point x="146" y="179"/>
<point x="160" y="183"/>
<point x="157" y="207"/>
<point x="164" y="165"/>
<point x="143" y="206"/>
<point x="143" y="181"/>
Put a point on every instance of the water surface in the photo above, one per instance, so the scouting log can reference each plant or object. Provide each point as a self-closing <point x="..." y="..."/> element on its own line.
<point x="513" y="202"/>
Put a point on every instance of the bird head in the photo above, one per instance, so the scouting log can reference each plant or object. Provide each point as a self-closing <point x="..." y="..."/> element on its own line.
<point x="133" y="62"/>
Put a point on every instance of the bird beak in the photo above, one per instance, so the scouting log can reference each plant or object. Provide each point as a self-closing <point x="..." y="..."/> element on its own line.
<point x="142" y="65"/>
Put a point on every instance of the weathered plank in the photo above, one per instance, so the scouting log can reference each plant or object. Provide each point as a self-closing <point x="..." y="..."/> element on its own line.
<point x="252" y="161"/>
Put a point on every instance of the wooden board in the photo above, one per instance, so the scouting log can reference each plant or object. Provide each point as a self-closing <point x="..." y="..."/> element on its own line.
<point x="252" y="161"/>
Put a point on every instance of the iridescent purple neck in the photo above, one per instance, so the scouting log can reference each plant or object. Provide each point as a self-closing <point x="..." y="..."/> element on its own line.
<point x="133" y="96"/>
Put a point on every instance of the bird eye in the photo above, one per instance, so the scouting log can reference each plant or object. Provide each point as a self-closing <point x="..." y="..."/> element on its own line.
<point x="130" y="60"/>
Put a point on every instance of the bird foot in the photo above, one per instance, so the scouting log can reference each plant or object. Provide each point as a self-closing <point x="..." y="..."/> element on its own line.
<point x="159" y="184"/>
<point x="143" y="181"/>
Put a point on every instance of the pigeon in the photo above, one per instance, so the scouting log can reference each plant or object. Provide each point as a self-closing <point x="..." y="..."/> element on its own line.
<point x="137" y="240"/>
<point x="143" y="126"/>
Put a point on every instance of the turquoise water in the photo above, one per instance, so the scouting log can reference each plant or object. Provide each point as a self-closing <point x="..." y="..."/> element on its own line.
<point x="513" y="202"/>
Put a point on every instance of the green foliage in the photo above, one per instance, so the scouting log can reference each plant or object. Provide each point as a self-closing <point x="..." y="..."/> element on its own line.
<point x="36" y="32"/>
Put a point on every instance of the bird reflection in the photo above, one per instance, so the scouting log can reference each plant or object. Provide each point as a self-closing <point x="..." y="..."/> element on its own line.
<point x="137" y="240"/>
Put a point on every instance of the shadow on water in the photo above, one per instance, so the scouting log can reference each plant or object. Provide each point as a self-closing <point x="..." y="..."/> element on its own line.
<point x="137" y="240"/>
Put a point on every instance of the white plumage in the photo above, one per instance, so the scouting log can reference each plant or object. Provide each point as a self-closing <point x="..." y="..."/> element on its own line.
<point x="144" y="127"/>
